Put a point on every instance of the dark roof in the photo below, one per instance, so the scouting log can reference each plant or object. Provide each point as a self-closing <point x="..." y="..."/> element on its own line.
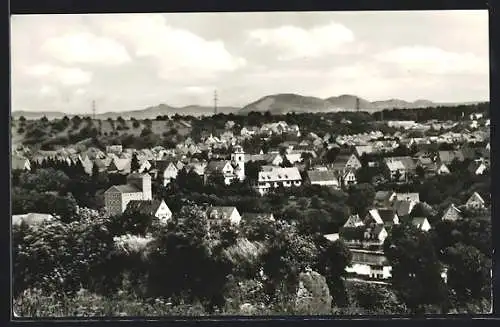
<point x="374" y="231"/>
<point x="321" y="175"/>
<point x="145" y="207"/>
<point x="161" y="165"/>
<point x="382" y="196"/>
<point x="448" y="156"/>
<point x="368" y="257"/>
<point x="387" y="215"/>
<point x="402" y="207"/>
<point x="216" y="165"/>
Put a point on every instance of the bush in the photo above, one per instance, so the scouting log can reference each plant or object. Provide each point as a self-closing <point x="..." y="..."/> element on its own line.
<point x="135" y="124"/>
<point x="20" y="130"/>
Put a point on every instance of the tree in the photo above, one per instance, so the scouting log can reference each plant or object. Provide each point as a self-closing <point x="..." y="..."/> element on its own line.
<point x="333" y="258"/>
<point x="416" y="270"/>
<point x="361" y="197"/>
<point x="134" y="164"/>
<point x="468" y="273"/>
<point x="22" y="119"/>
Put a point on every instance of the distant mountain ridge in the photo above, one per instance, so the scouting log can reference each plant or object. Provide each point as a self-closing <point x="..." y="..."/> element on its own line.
<point x="276" y="104"/>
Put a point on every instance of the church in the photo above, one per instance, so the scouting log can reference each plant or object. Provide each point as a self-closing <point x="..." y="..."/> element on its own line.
<point x="117" y="197"/>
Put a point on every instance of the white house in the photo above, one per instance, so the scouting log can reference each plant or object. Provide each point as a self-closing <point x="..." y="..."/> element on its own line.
<point x="475" y="201"/>
<point x="348" y="178"/>
<point x="230" y="213"/>
<point x="421" y="223"/>
<point x="274" y="177"/>
<point x="370" y="264"/>
<point x="155" y="208"/>
<point x="20" y="163"/>
<point x="452" y="213"/>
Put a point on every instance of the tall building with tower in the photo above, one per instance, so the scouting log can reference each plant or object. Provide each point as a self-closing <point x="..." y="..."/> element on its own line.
<point x="238" y="159"/>
<point x="138" y="188"/>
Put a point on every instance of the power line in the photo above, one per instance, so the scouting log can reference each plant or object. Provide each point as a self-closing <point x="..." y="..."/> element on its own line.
<point x="215" y="102"/>
<point x="93" y="109"/>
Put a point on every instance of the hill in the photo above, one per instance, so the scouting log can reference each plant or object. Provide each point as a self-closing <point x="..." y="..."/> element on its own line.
<point x="348" y="101"/>
<point x="147" y="113"/>
<point x="288" y="102"/>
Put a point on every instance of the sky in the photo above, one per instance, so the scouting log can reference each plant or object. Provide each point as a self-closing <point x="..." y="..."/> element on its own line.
<point x="133" y="61"/>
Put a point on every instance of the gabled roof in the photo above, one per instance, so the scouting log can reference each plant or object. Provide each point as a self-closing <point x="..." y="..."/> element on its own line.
<point x="353" y="221"/>
<point x="374" y="231"/>
<point x="321" y="175"/>
<point x="216" y="165"/>
<point x="394" y="164"/>
<point x="387" y="215"/>
<point x="419" y="221"/>
<point x="449" y="156"/>
<point x="280" y="174"/>
<point x="144" y="207"/>
<point x="125" y="188"/>
<point x="402" y="207"/>
<point x="224" y="211"/>
<point x="475" y="196"/>
<point x="383" y="196"/>
<point x="374" y="214"/>
<point x="408" y="197"/>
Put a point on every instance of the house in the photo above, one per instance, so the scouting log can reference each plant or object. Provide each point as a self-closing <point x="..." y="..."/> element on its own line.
<point x="117" y="197"/>
<point x="421" y="223"/>
<point x="369" y="264"/>
<point x="332" y="237"/>
<point x="346" y="162"/>
<point x="230" y="213"/>
<point x="353" y="221"/>
<point x="475" y="202"/>
<point x="323" y="178"/>
<point x="397" y="170"/>
<point x="223" y="167"/>
<point x="168" y="169"/>
<point x="144" y="165"/>
<point x="348" y="178"/>
<point x="252" y="216"/>
<point x="31" y="219"/>
<point x="114" y="149"/>
<point x="442" y="169"/>
<point x="452" y="213"/>
<point x="20" y="163"/>
<point x="415" y="197"/>
<point x="155" y="208"/>
<point x="373" y="217"/>
<point x="477" y="167"/>
<point x="384" y="198"/>
<point x="389" y="217"/>
<point x="447" y="157"/>
<point x="364" y="149"/>
<point x="403" y="208"/>
<point x="274" y="177"/>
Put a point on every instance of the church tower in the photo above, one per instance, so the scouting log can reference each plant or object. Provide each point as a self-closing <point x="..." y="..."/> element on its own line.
<point x="238" y="158"/>
<point x="147" y="193"/>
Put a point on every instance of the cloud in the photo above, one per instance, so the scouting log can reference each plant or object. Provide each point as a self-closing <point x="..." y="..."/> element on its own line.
<point x="63" y="75"/>
<point x="48" y="90"/>
<point x="176" y="51"/>
<point x="86" y="48"/>
<point x="433" y="60"/>
<point x="295" y="42"/>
